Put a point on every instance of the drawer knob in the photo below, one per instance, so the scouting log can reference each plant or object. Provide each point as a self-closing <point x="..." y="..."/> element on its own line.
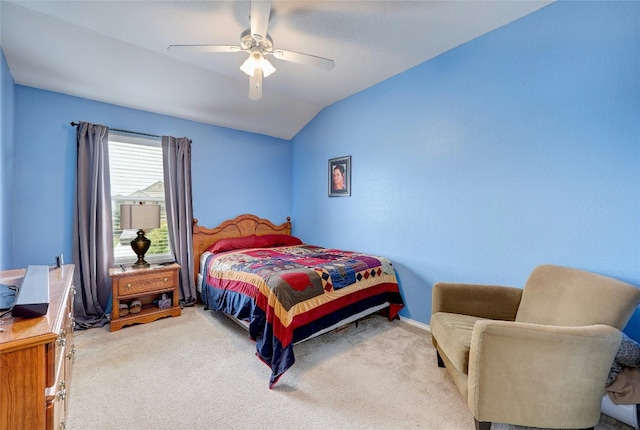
<point x="62" y="393"/>
<point x="129" y="285"/>
<point x="62" y="339"/>
<point x="72" y="354"/>
<point x="166" y="279"/>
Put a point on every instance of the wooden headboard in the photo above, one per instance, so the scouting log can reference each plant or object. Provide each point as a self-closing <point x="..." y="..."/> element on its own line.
<point x="242" y="225"/>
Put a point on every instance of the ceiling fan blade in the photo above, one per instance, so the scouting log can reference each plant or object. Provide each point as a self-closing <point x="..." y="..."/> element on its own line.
<point x="260" y="11"/>
<point x="255" y="85"/>
<point x="204" y="48"/>
<point x="306" y="59"/>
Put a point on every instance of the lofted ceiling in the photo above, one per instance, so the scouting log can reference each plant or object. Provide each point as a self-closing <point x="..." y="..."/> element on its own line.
<point x="116" y="52"/>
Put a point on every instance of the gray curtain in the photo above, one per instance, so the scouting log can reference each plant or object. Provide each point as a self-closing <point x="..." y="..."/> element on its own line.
<point x="176" y="155"/>
<point x="92" y="231"/>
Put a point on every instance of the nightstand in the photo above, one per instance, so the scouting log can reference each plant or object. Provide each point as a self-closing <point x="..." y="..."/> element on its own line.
<point x="146" y="285"/>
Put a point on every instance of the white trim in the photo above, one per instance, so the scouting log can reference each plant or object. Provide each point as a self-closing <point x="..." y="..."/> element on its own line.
<point x="626" y="413"/>
<point x="415" y="323"/>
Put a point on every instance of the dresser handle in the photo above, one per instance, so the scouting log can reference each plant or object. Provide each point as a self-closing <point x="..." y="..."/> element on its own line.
<point x="129" y="285"/>
<point x="72" y="353"/>
<point x="63" y="392"/>
<point x="166" y="279"/>
<point x="62" y="340"/>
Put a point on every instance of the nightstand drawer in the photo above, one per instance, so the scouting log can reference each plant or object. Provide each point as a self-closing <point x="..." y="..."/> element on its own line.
<point x="148" y="282"/>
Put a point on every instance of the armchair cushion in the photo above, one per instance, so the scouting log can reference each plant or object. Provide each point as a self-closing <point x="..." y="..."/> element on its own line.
<point x="453" y="332"/>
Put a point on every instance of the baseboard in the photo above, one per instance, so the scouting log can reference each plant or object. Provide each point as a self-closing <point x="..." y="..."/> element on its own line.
<point x="415" y="323"/>
<point x="626" y="413"/>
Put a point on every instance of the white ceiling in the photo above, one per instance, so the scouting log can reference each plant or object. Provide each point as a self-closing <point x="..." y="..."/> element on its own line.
<point x="116" y="52"/>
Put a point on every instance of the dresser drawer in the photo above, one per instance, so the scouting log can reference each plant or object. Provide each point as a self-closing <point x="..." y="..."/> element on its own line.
<point x="149" y="282"/>
<point x="55" y="397"/>
<point x="55" y="353"/>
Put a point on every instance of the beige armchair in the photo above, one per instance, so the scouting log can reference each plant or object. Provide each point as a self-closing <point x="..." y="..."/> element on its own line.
<point x="537" y="356"/>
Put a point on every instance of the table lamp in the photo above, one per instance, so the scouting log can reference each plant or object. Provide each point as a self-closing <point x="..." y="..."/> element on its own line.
<point x="141" y="217"/>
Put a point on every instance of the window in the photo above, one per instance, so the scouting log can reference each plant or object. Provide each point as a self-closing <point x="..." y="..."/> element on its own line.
<point x="135" y="167"/>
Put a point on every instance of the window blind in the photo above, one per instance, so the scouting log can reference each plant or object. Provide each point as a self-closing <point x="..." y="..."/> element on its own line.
<point x="136" y="171"/>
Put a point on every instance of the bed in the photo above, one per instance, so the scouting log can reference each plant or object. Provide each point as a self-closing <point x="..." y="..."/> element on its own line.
<point x="284" y="291"/>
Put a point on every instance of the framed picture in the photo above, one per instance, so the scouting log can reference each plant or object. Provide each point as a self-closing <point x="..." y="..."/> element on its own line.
<point x="340" y="177"/>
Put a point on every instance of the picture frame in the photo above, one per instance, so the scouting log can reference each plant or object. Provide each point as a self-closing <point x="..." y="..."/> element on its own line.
<point x="340" y="168"/>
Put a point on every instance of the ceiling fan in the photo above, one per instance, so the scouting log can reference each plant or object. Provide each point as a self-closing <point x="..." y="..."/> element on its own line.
<point x="258" y="43"/>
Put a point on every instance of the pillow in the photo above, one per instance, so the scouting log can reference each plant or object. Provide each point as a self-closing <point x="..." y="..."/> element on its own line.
<point x="270" y="240"/>
<point x="254" y="241"/>
<point x="232" y="243"/>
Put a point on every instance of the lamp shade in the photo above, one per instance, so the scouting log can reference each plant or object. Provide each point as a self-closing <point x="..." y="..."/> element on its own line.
<point x="257" y="61"/>
<point x="139" y="217"/>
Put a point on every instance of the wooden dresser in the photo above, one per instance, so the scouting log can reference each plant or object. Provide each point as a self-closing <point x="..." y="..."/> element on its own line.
<point x="36" y="356"/>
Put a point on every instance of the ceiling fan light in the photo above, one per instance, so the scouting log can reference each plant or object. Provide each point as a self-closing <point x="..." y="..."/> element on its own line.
<point x="267" y="67"/>
<point x="257" y="61"/>
<point x="249" y="65"/>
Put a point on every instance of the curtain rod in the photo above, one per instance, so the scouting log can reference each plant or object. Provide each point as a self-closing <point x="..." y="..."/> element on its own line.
<point x="75" y="124"/>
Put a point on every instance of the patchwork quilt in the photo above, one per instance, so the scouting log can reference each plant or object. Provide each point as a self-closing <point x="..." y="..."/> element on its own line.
<point x="289" y="293"/>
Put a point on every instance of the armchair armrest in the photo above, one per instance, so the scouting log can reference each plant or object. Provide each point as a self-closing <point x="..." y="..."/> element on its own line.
<point x="545" y="376"/>
<point x="485" y="301"/>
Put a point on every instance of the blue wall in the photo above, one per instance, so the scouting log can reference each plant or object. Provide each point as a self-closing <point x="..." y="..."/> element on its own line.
<point x="233" y="172"/>
<point x="7" y="101"/>
<point x="519" y="148"/>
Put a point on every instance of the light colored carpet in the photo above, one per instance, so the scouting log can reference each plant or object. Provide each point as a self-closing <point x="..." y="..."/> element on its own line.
<point x="199" y="371"/>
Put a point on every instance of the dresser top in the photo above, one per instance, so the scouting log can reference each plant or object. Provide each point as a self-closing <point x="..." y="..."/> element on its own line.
<point x="16" y="332"/>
